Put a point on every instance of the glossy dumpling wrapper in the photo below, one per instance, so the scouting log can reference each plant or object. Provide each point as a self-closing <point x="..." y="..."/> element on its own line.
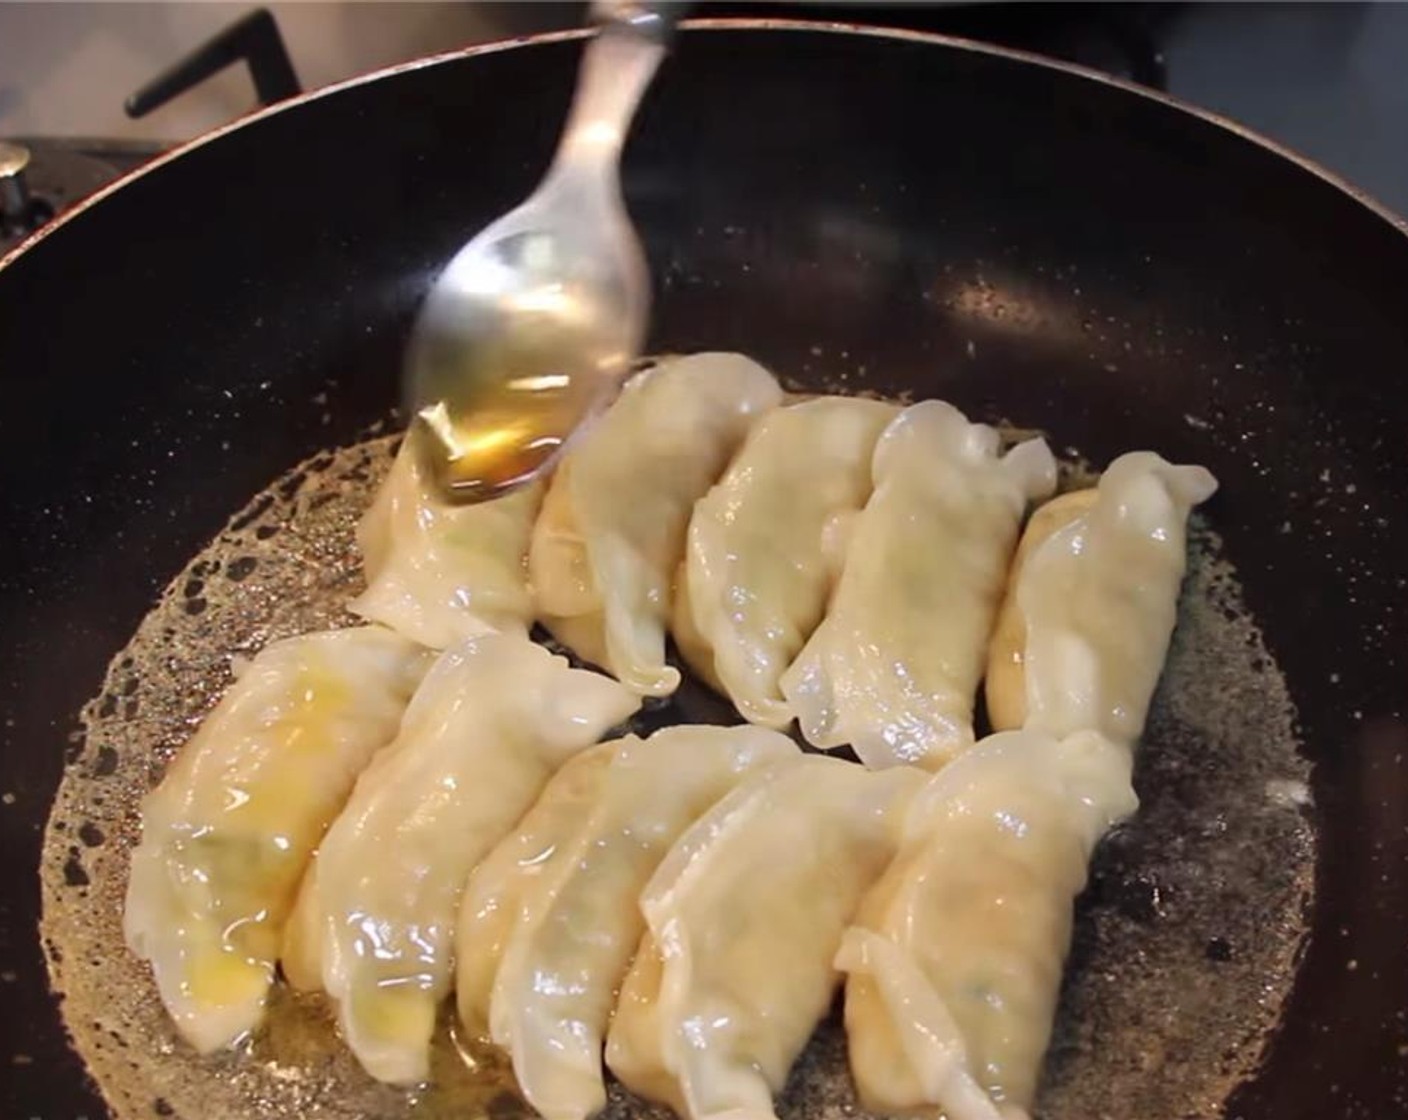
<point x="611" y="534"/>
<point x="498" y="888"/>
<point x="494" y="718"/>
<point x="578" y="923"/>
<point x="955" y="958"/>
<point x="440" y="573"/>
<point x="744" y="917"/>
<point x="1005" y="682"/>
<point x="893" y="669"/>
<point x="1092" y="602"/>
<point x="765" y="546"/>
<point x="227" y="834"/>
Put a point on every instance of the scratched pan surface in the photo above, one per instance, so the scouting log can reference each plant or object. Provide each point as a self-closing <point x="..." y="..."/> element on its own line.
<point x="923" y="216"/>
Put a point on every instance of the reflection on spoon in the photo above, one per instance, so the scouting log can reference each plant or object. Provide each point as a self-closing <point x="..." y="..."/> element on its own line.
<point x="531" y="327"/>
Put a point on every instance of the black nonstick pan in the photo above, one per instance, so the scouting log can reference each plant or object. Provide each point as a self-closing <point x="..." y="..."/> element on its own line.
<point x="927" y="217"/>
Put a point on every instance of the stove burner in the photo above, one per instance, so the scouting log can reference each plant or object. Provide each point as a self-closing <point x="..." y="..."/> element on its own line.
<point x="21" y="213"/>
<point x="41" y="177"/>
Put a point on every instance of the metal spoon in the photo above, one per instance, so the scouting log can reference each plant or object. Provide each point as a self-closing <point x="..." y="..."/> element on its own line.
<point x="534" y="322"/>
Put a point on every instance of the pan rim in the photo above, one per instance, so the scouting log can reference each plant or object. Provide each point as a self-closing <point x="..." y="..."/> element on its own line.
<point x="1354" y="193"/>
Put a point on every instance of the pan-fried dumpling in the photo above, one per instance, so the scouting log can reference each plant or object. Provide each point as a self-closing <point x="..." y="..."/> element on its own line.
<point x="578" y="924"/>
<point x="894" y="668"/>
<point x="955" y="958"/>
<point x="612" y="529"/>
<point x="744" y="917"/>
<point x="765" y="545"/>
<point x="440" y="573"/>
<point x="228" y="832"/>
<point x="1005" y="682"/>
<point x="1092" y="601"/>
<point x="494" y="897"/>
<point x="491" y="722"/>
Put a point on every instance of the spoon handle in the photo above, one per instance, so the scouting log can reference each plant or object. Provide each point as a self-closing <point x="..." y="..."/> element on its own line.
<point x="617" y="66"/>
<point x="654" y="21"/>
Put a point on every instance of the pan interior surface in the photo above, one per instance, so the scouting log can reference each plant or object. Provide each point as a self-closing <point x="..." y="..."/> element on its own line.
<point x="1185" y="943"/>
<point x="899" y="216"/>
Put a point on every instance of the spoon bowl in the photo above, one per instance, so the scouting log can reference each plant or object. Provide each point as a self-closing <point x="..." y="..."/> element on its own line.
<point x="531" y="326"/>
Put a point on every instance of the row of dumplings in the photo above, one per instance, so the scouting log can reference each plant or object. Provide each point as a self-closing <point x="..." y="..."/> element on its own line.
<point x="389" y="826"/>
<point x="390" y="829"/>
<point x="838" y="561"/>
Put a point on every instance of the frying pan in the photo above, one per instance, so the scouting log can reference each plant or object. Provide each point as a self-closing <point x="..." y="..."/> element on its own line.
<point x="810" y="195"/>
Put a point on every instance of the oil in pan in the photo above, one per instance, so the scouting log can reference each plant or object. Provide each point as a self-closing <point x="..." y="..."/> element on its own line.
<point x="1185" y="943"/>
